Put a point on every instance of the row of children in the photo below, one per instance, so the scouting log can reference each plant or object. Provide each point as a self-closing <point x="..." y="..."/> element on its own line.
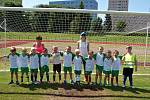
<point x="105" y="63"/>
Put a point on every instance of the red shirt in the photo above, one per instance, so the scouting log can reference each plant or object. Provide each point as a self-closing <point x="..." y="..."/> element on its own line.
<point x="39" y="48"/>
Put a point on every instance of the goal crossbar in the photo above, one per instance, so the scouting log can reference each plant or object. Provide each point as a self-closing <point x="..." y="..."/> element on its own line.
<point x="73" y="10"/>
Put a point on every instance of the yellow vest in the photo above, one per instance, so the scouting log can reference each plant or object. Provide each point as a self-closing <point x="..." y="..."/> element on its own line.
<point x="129" y="61"/>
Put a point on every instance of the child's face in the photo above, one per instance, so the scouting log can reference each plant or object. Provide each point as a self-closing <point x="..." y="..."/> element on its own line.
<point x="13" y="52"/>
<point x="90" y="54"/>
<point x="129" y="50"/>
<point x="101" y="49"/>
<point x="83" y="38"/>
<point x="108" y="54"/>
<point x="33" y="51"/>
<point x="116" y="53"/>
<point x="68" y="49"/>
<point x="77" y="53"/>
<point x="55" y="49"/>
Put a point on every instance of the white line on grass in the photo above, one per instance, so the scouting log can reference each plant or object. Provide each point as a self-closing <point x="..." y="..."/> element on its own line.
<point x="83" y="73"/>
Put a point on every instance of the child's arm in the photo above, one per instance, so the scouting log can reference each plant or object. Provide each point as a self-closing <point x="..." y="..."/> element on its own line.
<point x="88" y="46"/>
<point x="94" y="56"/>
<point x="78" y="45"/>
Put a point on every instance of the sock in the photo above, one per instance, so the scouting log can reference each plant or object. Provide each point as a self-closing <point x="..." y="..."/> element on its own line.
<point x="59" y="77"/>
<point x="54" y="78"/>
<point x="31" y="77"/>
<point x="28" y="78"/>
<point x="47" y="76"/>
<point x="21" y="78"/>
<point x="41" y="78"/>
<point x="35" y="76"/>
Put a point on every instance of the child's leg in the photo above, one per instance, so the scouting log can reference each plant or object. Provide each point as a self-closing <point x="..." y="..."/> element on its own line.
<point x="54" y="76"/>
<point x="90" y="78"/>
<point x="16" y="73"/>
<point x="41" y="76"/>
<point x="124" y="80"/>
<point x="22" y="76"/>
<point x="117" y="80"/>
<point x="100" y="77"/>
<point x="105" y="77"/>
<point x="131" y="80"/>
<point x="112" y="79"/>
<point x="47" y="76"/>
<point x="70" y="73"/>
<point x="108" y="79"/>
<point x="27" y="76"/>
<point x="86" y="77"/>
<point x="11" y="75"/>
<point x="96" y="77"/>
<point x="32" y="76"/>
<point x="65" y="75"/>
<point x="59" y="76"/>
<point x="35" y="76"/>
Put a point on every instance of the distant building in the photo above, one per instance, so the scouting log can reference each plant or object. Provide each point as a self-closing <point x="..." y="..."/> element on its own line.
<point x="88" y="4"/>
<point x="2" y="2"/>
<point x="132" y="22"/>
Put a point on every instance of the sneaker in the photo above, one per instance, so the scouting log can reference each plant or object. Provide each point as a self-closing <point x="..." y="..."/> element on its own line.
<point x="123" y="86"/>
<point x="11" y="82"/>
<point x="17" y="82"/>
<point x="65" y="82"/>
<point x="72" y="82"/>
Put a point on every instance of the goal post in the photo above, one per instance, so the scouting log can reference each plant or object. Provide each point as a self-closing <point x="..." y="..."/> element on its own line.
<point x="62" y="26"/>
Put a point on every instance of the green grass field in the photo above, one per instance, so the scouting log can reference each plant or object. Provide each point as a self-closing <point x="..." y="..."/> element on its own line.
<point x="57" y="91"/>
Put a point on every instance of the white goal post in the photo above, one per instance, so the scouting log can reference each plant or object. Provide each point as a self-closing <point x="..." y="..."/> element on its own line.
<point x="108" y="28"/>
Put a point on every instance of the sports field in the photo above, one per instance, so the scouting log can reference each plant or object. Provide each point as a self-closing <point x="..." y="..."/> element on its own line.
<point x="56" y="90"/>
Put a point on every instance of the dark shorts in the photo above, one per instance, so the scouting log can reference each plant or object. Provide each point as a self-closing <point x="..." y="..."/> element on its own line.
<point x="127" y="71"/>
<point x="57" y="67"/>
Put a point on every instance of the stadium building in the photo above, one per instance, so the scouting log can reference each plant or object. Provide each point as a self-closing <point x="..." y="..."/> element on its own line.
<point x="132" y="22"/>
<point x="88" y="4"/>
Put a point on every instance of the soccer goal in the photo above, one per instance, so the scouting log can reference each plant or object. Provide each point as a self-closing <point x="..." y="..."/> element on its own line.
<point x="113" y="30"/>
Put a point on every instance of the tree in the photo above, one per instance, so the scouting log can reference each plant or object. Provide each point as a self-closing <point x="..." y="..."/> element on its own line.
<point x="121" y="25"/>
<point x="81" y="21"/>
<point x="96" y="25"/>
<point x="16" y="20"/>
<point x="107" y="23"/>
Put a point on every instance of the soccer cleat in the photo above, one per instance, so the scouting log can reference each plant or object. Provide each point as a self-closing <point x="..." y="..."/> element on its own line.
<point x="65" y="82"/>
<point x="11" y="82"/>
<point x="72" y="82"/>
<point x="17" y="82"/>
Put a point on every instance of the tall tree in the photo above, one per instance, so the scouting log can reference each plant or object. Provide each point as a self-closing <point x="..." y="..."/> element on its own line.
<point x="16" y="20"/>
<point x="108" y="23"/>
<point x="121" y="25"/>
<point x="96" y="25"/>
<point x="81" y="21"/>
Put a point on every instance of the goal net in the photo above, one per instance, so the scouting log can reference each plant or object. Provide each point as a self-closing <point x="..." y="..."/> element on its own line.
<point x="113" y="30"/>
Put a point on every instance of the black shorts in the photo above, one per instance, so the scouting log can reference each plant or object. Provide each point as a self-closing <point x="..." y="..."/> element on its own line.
<point x="127" y="71"/>
<point x="57" y="67"/>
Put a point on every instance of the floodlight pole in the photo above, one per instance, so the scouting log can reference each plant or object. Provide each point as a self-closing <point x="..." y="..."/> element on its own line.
<point x="146" y="44"/>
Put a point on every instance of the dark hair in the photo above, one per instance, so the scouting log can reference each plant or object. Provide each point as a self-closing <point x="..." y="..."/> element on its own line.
<point x="39" y="37"/>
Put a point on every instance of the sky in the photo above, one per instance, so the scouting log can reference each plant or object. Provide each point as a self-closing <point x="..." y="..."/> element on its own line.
<point x="134" y="5"/>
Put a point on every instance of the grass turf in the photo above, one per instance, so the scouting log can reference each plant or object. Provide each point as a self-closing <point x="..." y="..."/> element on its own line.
<point x="57" y="91"/>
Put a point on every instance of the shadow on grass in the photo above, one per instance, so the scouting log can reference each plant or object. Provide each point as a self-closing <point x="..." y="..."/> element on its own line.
<point x="77" y="96"/>
<point x="133" y="90"/>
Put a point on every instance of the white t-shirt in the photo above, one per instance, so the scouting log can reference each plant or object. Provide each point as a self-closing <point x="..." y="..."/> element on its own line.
<point x="34" y="61"/>
<point x="23" y="60"/>
<point x="77" y="63"/>
<point x="56" y="58"/>
<point x="89" y="66"/>
<point x="44" y="60"/>
<point x="13" y="60"/>
<point x="68" y="57"/>
<point x="83" y="48"/>
<point x="108" y="64"/>
<point x="100" y="59"/>
<point x="116" y="64"/>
